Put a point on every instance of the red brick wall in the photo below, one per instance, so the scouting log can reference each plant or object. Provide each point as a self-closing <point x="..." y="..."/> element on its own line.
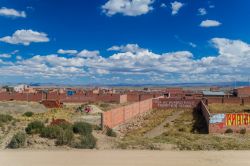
<point x="175" y="103"/>
<point x="118" y="116"/>
<point x="234" y="121"/>
<point x="79" y="97"/>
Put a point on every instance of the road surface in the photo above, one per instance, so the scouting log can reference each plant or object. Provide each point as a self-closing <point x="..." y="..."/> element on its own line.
<point x="123" y="158"/>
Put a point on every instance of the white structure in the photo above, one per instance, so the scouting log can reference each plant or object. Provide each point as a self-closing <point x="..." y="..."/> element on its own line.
<point x="20" y="88"/>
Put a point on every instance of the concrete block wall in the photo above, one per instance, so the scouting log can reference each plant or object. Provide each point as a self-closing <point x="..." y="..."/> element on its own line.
<point x="118" y="116"/>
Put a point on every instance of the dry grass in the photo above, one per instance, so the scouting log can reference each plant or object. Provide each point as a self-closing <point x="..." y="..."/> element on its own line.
<point x="228" y="108"/>
<point x="188" y="133"/>
<point x="134" y="139"/>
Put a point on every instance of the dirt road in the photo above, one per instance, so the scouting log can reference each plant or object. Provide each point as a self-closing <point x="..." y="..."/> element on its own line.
<point x="123" y="158"/>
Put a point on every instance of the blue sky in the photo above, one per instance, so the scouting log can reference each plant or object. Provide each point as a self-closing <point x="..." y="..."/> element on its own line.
<point x="124" y="41"/>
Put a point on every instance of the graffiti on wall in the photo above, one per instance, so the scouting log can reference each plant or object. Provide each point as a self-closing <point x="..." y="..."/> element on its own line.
<point x="176" y="103"/>
<point x="234" y="119"/>
<point x="217" y="118"/>
<point x="237" y="119"/>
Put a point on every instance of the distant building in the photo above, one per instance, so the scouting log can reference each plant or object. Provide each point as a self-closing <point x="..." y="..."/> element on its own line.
<point x="242" y="91"/>
<point x="20" y="88"/>
<point x="213" y="94"/>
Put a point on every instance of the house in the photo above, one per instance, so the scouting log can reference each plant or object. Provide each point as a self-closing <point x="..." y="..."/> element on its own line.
<point x="20" y="88"/>
<point x="213" y="94"/>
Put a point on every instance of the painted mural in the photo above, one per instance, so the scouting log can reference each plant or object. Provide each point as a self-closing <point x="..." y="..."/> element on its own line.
<point x="234" y="119"/>
<point x="237" y="119"/>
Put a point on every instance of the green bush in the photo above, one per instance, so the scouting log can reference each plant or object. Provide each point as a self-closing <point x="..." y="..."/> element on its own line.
<point x="82" y="128"/>
<point x="243" y="131"/>
<point x="65" y="125"/>
<point x="34" y="127"/>
<point x="51" y="132"/>
<point x="18" y="140"/>
<point x="5" y="118"/>
<point x="229" y="131"/>
<point x="86" y="142"/>
<point x="65" y="137"/>
<point x="28" y="114"/>
<point x="110" y="132"/>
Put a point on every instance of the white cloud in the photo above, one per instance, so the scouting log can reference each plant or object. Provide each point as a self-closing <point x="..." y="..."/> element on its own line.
<point x="11" y="12"/>
<point x="25" y="37"/>
<point x="88" y="54"/>
<point x="127" y="48"/>
<point x="5" y="55"/>
<point x="163" y="5"/>
<point x="18" y="57"/>
<point x="176" y="6"/>
<point x="61" y="51"/>
<point x="192" y="44"/>
<point x="127" y="7"/>
<point x="211" y="6"/>
<point x="210" y="23"/>
<point x="202" y="11"/>
<point x="136" y="64"/>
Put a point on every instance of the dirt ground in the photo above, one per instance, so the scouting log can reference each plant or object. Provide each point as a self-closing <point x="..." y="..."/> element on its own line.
<point x="123" y="158"/>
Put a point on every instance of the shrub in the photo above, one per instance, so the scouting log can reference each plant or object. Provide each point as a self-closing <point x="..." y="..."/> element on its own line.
<point x="243" y="131"/>
<point x="5" y="118"/>
<point x="86" y="142"/>
<point x="28" y="114"/>
<point x="18" y="140"/>
<point x="82" y="128"/>
<point x="110" y="132"/>
<point x="34" y="127"/>
<point x="65" y="137"/>
<point x="229" y="131"/>
<point x="51" y="132"/>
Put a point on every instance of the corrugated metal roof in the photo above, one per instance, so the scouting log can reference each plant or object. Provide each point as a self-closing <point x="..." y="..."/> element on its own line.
<point x="210" y="93"/>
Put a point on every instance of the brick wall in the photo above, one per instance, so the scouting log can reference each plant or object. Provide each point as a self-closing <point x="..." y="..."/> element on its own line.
<point x="162" y="103"/>
<point x="118" y="116"/>
<point x="123" y="99"/>
<point x="78" y="97"/>
<point x="219" y="123"/>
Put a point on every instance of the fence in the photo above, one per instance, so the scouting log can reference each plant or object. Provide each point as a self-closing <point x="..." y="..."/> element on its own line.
<point x="118" y="116"/>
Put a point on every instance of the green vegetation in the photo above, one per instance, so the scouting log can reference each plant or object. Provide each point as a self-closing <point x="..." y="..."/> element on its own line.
<point x="65" y="137"/>
<point x="18" y="141"/>
<point x="63" y="133"/>
<point x="51" y="132"/>
<point x="82" y="128"/>
<point x="228" y="131"/>
<point x="85" y="142"/>
<point x="28" y="114"/>
<point x="110" y="132"/>
<point x="228" y="108"/>
<point x="4" y="118"/>
<point x="34" y="127"/>
<point x="243" y="131"/>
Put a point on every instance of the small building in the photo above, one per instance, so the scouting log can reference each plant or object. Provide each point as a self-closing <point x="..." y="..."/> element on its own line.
<point x="213" y="94"/>
<point x="20" y="88"/>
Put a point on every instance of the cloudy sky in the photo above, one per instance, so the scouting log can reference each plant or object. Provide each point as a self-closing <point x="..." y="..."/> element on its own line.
<point x="124" y="41"/>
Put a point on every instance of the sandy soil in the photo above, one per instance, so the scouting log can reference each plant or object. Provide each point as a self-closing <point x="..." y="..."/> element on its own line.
<point x="123" y="158"/>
